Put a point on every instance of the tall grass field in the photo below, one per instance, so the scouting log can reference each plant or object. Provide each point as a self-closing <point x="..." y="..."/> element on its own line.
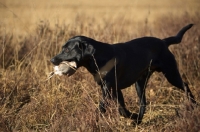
<point x="32" y="32"/>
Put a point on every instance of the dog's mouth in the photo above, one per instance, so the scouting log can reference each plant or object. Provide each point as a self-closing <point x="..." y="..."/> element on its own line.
<point x="64" y="68"/>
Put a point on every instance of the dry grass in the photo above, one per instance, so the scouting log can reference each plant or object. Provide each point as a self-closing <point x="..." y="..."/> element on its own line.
<point x="29" y="103"/>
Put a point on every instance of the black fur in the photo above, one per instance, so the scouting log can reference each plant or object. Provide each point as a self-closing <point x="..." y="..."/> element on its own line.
<point x="123" y="64"/>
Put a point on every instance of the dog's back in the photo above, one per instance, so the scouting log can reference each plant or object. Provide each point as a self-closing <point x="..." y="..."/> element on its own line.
<point x="143" y="53"/>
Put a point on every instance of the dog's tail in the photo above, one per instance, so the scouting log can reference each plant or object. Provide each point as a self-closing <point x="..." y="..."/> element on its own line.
<point x="177" y="39"/>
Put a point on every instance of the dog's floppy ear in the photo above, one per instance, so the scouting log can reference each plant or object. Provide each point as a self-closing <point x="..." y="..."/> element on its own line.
<point x="88" y="49"/>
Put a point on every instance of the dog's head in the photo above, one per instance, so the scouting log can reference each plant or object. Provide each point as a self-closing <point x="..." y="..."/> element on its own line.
<point x="77" y="49"/>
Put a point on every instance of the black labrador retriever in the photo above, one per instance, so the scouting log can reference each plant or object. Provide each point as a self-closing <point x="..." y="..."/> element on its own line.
<point x="117" y="66"/>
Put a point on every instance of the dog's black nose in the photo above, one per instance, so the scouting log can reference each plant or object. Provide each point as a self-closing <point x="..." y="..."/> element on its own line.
<point x="55" y="61"/>
<point x="52" y="60"/>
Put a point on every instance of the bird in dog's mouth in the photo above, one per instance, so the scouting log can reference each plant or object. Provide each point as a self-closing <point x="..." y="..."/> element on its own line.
<point x="64" y="68"/>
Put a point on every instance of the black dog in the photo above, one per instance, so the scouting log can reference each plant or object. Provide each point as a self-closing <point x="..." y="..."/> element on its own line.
<point x="118" y="66"/>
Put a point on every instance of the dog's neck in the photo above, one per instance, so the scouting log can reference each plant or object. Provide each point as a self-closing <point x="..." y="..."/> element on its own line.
<point x="97" y="61"/>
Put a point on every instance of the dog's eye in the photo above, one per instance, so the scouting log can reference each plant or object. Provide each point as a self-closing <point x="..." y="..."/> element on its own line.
<point x="66" y="50"/>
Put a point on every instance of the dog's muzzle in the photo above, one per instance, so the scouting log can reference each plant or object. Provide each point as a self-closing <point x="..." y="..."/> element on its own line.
<point x="55" y="61"/>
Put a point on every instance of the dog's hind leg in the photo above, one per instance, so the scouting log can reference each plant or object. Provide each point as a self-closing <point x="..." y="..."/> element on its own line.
<point x="170" y="70"/>
<point x="140" y="88"/>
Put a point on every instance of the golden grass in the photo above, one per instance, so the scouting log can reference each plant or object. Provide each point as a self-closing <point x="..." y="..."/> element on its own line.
<point x="22" y="16"/>
<point x="33" y="32"/>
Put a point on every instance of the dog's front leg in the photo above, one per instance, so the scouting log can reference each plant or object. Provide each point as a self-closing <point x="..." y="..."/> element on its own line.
<point x="118" y="96"/>
<point x="106" y="94"/>
<point x="102" y="102"/>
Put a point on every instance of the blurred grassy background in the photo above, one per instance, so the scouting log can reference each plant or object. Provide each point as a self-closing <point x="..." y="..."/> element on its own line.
<point x="20" y="15"/>
<point x="31" y="32"/>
